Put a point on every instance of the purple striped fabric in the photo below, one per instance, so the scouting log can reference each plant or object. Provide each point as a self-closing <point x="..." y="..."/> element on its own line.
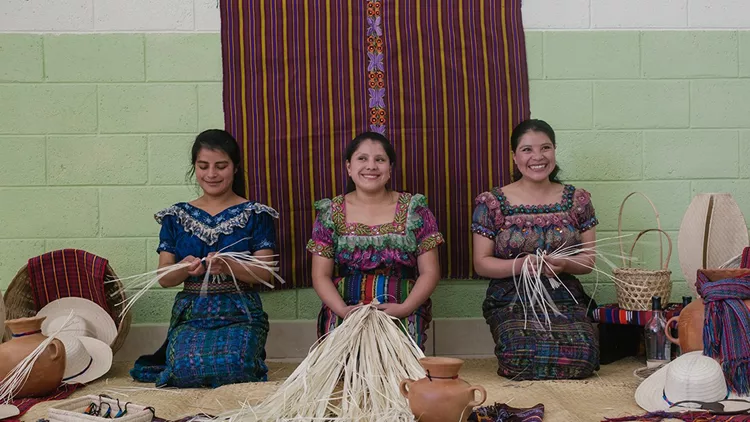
<point x="445" y="81"/>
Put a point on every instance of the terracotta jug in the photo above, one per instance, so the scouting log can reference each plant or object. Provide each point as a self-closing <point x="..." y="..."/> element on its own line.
<point x="441" y="396"/>
<point x="47" y="372"/>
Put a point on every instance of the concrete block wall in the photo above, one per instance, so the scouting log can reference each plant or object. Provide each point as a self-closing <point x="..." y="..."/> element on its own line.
<point x="99" y="103"/>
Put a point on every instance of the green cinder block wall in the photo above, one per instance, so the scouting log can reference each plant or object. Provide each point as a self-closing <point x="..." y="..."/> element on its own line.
<point x="95" y="131"/>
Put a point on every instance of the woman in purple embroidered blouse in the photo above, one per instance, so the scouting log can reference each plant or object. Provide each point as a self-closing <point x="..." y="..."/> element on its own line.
<point x="375" y="244"/>
<point x="537" y="212"/>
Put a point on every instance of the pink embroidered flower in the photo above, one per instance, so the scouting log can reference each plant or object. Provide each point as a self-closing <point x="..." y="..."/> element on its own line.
<point x="518" y="221"/>
<point x="556" y="219"/>
<point x="493" y="203"/>
<point x="582" y="197"/>
<point x="539" y="221"/>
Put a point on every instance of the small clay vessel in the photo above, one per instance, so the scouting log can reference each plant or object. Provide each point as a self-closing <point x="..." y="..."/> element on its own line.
<point x="441" y="396"/>
<point x="47" y="372"/>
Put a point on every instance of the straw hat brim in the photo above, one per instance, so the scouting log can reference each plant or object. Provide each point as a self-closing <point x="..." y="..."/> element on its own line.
<point x="101" y="361"/>
<point x="8" y="411"/>
<point x="650" y="393"/>
<point x="99" y="324"/>
<point x="727" y="234"/>
<point x="2" y="317"/>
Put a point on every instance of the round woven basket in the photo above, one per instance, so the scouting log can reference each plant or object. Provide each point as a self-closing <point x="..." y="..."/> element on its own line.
<point x="635" y="286"/>
<point x="19" y="302"/>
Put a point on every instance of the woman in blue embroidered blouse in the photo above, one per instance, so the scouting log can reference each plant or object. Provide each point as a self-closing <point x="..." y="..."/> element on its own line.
<point x="218" y="338"/>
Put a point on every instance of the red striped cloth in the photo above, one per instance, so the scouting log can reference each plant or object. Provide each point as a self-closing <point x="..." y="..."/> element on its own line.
<point x="445" y="80"/>
<point x="67" y="273"/>
<point x="612" y="314"/>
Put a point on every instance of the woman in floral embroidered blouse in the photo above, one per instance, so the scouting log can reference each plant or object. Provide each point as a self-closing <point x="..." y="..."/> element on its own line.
<point x="514" y="221"/>
<point x="217" y="338"/>
<point x="375" y="244"/>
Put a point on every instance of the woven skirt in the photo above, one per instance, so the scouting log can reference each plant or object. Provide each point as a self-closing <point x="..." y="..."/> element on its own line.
<point x="363" y="288"/>
<point x="526" y="349"/>
<point x="212" y="341"/>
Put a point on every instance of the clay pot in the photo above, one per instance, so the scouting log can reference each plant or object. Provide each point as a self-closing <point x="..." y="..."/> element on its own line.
<point x="690" y="323"/>
<point x="441" y="395"/>
<point x="47" y="372"/>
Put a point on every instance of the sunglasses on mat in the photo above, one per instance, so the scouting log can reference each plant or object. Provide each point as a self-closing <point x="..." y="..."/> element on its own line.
<point x="721" y="407"/>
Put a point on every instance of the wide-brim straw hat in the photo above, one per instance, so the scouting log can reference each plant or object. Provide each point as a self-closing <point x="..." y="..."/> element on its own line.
<point x="19" y="302"/>
<point x="712" y="232"/>
<point x="691" y="376"/>
<point x="89" y="319"/>
<point x="8" y="411"/>
<point x="86" y="359"/>
<point x="2" y="316"/>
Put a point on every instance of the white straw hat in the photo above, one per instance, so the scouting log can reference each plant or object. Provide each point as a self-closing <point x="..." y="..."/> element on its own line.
<point x="691" y="376"/>
<point x="8" y="410"/>
<point x="89" y="319"/>
<point x="2" y="317"/>
<point x="86" y="359"/>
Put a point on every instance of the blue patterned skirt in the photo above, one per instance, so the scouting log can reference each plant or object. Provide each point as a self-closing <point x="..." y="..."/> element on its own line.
<point x="569" y="350"/>
<point x="212" y="341"/>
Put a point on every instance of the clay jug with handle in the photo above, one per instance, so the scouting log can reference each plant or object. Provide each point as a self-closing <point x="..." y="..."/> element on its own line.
<point x="441" y="395"/>
<point x="47" y="372"/>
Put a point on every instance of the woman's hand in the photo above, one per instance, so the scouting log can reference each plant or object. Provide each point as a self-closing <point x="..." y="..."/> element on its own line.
<point x="195" y="268"/>
<point x="218" y="265"/>
<point x="554" y="266"/>
<point x="396" y="310"/>
<point x="347" y="310"/>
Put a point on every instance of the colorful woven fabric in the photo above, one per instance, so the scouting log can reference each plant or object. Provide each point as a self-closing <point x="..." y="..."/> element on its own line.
<point x="445" y="81"/>
<point x="67" y="273"/>
<point x="501" y="412"/>
<point x="23" y="405"/>
<point x="220" y="338"/>
<point x="524" y="348"/>
<point x="726" y="331"/>
<point x="612" y="314"/>
<point x="681" y="416"/>
<point x="376" y="262"/>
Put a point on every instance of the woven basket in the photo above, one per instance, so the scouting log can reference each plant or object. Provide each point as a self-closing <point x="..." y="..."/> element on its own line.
<point x="19" y="302"/>
<point x="636" y="286"/>
<point x="72" y="411"/>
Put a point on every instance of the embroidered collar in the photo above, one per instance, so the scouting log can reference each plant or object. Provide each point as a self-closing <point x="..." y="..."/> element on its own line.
<point x="398" y="225"/>
<point x="208" y="227"/>
<point x="564" y="205"/>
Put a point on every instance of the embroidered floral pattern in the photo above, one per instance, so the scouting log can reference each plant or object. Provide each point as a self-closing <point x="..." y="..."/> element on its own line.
<point x="521" y="229"/>
<point x="375" y="66"/>
<point x="395" y="245"/>
<point x="398" y="225"/>
<point x="207" y="227"/>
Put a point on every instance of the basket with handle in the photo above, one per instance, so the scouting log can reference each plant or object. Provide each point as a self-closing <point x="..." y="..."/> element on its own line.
<point x="635" y="286"/>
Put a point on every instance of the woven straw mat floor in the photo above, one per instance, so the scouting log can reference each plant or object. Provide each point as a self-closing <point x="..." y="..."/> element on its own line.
<point x="607" y="394"/>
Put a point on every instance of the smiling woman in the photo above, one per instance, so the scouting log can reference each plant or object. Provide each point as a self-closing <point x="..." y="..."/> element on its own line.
<point x="382" y="244"/>
<point x="219" y="337"/>
<point x="537" y="212"/>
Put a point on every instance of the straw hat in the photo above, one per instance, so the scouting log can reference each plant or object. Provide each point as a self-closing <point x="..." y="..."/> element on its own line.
<point x="89" y="319"/>
<point x="8" y="410"/>
<point x="2" y="317"/>
<point x="691" y="376"/>
<point x="712" y="232"/>
<point x="86" y="359"/>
